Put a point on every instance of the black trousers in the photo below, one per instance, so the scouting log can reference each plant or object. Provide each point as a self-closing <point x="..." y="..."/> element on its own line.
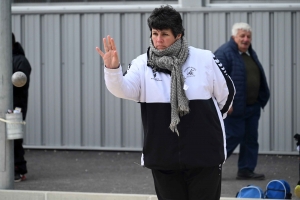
<point x="190" y="184"/>
<point x="20" y="162"/>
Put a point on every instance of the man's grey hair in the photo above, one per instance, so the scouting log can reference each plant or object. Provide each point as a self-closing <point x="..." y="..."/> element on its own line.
<point x="241" y="25"/>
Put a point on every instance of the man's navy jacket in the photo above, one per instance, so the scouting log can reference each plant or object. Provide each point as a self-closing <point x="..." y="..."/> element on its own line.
<point x="229" y="56"/>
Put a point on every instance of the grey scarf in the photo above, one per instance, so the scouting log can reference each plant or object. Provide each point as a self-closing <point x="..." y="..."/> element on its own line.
<point x="172" y="58"/>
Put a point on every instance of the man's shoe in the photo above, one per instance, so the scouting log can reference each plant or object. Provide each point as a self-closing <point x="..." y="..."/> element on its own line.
<point x="247" y="174"/>
<point x="19" y="177"/>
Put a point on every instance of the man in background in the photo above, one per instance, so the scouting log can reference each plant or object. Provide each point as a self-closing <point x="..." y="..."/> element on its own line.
<point x="252" y="94"/>
<point x="20" y="100"/>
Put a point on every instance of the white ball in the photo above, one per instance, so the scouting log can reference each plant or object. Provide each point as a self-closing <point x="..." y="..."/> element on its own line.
<point x="19" y="79"/>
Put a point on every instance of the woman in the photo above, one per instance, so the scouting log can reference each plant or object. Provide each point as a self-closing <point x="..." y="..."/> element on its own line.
<point x="184" y="95"/>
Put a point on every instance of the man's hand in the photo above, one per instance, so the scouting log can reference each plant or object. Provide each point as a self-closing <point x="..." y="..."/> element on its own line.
<point x="230" y="110"/>
<point x="110" y="57"/>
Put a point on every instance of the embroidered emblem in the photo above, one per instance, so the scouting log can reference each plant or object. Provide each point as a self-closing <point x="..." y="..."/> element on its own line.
<point x="189" y="72"/>
<point x="154" y="75"/>
<point x="156" y="79"/>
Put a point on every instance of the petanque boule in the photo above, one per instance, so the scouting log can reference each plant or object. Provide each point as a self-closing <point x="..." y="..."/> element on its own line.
<point x="19" y="79"/>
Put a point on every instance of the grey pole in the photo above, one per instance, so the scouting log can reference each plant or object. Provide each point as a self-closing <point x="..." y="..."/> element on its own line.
<point x="6" y="146"/>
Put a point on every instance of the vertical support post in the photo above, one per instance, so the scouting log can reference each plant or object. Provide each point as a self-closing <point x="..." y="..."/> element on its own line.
<point x="6" y="99"/>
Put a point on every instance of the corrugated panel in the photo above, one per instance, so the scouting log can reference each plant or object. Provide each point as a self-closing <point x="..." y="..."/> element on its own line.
<point x="111" y="24"/>
<point x="51" y="82"/>
<point x="261" y="44"/>
<point x="282" y="84"/>
<point x="31" y="41"/>
<point x="195" y="29"/>
<point x="145" y="30"/>
<point x="71" y="80"/>
<point x="296" y="75"/>
<point x="70" y="106"/>
<point x="216" y="30"/>
<point x="16" y="26"/>
<point x="92" y="82"/>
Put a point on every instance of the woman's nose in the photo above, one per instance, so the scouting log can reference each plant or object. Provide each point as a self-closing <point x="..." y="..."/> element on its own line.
<point x="159" y="38"/>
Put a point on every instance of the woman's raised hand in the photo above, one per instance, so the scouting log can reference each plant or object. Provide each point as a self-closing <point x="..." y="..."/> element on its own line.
<point x="110" y="57"/>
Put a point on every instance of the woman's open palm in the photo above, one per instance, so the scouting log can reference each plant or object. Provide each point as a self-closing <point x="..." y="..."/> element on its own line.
<point x="110" y="57"/>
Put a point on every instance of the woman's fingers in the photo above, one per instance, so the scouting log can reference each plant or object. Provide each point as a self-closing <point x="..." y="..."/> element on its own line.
<point x="109" y="44"/>
<point x="116" y="57"/>
<point x="100" y="52"/>
<point x="113" y="45"/>
<point x="105" y="45"/>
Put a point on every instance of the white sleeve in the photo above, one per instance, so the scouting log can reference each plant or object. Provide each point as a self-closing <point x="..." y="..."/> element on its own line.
<point x="124" y="86"/>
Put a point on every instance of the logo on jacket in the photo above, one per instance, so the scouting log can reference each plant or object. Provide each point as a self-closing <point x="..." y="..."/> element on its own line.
<point x="154" y="76"/>
<point x="189" y="72"/>
<point x="222" y="68"/>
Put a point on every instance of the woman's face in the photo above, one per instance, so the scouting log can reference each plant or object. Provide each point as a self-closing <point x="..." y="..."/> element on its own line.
<point x="162" y="39"/>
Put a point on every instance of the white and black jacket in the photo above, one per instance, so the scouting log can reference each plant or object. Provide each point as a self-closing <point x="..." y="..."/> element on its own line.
<point x="201" y="141"/>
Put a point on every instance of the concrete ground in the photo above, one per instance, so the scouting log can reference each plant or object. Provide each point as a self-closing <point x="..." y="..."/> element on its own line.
<point x="120" y="173"/>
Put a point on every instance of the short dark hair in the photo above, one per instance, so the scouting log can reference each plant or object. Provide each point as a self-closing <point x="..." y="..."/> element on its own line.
<point x="166" y="17"/>
<point x="13" y="39"/>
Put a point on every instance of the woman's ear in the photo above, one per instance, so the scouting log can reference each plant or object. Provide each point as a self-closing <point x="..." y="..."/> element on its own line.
<point x="178" y="36"/>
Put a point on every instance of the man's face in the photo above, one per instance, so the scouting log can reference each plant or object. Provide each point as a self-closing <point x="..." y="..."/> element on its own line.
<point x="243" y="40"/>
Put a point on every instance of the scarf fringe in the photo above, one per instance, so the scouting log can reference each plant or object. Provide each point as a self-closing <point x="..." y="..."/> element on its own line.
<point x="173" y="126"/>
<point x="183" y="110"/>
